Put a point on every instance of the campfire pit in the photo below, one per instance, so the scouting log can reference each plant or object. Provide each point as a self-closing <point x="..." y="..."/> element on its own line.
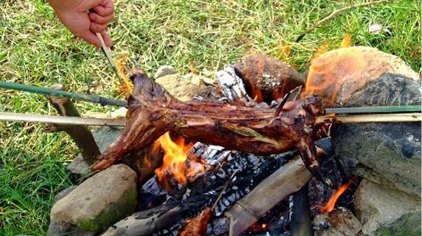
<point x="261" y="193"/>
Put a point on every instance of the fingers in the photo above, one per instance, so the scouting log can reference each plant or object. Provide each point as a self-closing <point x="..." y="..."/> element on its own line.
<point x="99" y="19"/>
<point x="105" y="9"/>
<point x="91" y="38"/>
<point x="98" y="28"/>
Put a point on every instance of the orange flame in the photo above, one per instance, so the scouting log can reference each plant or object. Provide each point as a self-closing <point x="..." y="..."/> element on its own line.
<point x="175" y="161"/>
<point x="337" y="74"/>
<point x="257" y="93"/>
<point x="334" y="197"/>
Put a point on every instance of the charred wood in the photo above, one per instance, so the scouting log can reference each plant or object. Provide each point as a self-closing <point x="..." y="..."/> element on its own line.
<point x="300" y="223"/>
<point x="157" y="219"/>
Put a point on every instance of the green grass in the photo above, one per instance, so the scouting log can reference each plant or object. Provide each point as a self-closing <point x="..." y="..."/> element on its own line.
<point x="205" y="35"/>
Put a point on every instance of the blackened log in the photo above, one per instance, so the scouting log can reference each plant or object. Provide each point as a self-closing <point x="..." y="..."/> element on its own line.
<point x="300" y="223"/>
<point x="81" y="135"/>
<point x="157" y="219"/>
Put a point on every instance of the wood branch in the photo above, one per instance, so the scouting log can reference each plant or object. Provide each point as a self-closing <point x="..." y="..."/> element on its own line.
<point x="336" y="13"/>
<point x="286" y="180"/>
<point x="81" y="135"/>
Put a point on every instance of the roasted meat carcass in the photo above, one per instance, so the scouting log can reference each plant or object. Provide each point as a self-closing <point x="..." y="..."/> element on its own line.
<point x="153" y="112"/>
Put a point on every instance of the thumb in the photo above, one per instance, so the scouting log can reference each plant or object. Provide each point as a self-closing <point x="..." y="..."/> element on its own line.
<point x="91" y="38"/>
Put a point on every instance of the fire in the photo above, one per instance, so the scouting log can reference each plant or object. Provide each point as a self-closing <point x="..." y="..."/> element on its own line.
<point x="257" y="93"/>
<point x="175" y="161"/>
<point x="338" y="74"/>
<point x="333" y="199"/>
<point x="335" y="74"/>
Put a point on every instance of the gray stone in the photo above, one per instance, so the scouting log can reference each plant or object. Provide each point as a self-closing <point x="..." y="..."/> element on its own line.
<point x="79" y="166"/>
<point x="62" y="228"/>
<point x="64" y="193"/>
<point x="182" y="88"/>
<point x="408" y="225"/>
<point x="164" y="70"/>
<point x="103" y="136"/>
<point x="56" y="228"/>
<point x="385" y="153"/>
<point x="338" y="74"/>
<point x="389" y="89"/>
<point x="106" y="135"/>
<point x="382" y="210"/>
<point x="341" y="222"/>
<point x="100" y="200"/>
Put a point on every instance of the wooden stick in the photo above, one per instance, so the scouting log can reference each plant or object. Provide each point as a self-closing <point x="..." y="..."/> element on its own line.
<point x="374" y="118"/>
<point x="286" y="180"/>
<point x="9" y="116"/>
<point x="366" y="118"/>
<point x="336" y="13"/>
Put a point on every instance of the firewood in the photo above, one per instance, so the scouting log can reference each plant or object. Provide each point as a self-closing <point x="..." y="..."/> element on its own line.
<point x="300" y="223"/>
<point x="156" y="219"/>
<point x="262" y="131"/>
<point x="286" y="180"/>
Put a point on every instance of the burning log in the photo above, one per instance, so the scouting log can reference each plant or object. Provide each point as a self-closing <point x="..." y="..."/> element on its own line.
<point x="155" y="219"/>
<point x="153" y="111"/>
<point x="249" y="171"/>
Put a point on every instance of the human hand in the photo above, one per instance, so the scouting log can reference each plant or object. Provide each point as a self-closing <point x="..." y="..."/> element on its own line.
<point x="85" y="18"/>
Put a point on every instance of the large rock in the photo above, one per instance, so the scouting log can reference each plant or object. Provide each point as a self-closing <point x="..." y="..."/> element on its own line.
<point x="62" y="228"/>
<point x="267" y="78"/>
<point x="339" y="73"/>
<point x="99" y="201"/>
<point x="385" y="153"/>
<point x="385" y="211"/>
<point x="183" y="88"/>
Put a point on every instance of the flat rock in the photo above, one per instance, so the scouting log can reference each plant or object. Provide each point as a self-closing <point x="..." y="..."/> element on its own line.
<point x="182" y="87"/>
<point x="99" y="201"/>
<point x="164" y="70"/>
<point x="383" y="211"/>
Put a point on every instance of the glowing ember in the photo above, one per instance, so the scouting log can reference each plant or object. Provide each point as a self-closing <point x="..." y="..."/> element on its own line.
<point x="175" y="161"/>
<point x="333" y="199"/>
<point x="257" y="94"/>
